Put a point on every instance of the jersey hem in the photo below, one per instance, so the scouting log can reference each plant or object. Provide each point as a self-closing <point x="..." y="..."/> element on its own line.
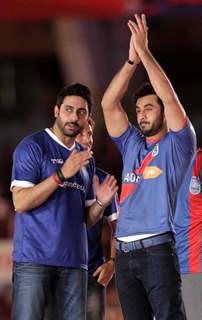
<point x="53" y="264"/>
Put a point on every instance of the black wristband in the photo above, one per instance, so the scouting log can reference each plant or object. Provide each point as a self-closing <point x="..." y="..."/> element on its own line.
<point x="60" y="176"/>
<point x="130" y="62"/>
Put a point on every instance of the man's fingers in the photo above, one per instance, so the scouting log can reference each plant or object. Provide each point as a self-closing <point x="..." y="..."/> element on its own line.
<point x="97" y="272"/>
<point x="133" y="26"/>
<point x="81" y="155"/>
<point x="144" y="23"/>
<point x="139" y="21"/>
<point x="111" y="183"/>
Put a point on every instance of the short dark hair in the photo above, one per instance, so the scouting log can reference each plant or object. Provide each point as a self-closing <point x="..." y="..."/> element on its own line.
<point x="144" y="90"/>
<point x="76" y="89"/>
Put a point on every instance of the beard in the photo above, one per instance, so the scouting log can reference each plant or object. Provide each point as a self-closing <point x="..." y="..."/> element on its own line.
<point x="69" y="129"/>
<point x="151" y="129"/>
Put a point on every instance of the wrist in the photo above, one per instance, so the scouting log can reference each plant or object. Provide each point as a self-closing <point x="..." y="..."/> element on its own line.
<point x="131" y="62"/>
<point x="100" y="203"/>
<point x="60" y="175"/>
<point x="57" y="180"/>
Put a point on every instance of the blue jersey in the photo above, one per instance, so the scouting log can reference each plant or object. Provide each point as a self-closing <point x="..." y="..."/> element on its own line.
<point x="95" y="251"/>
<point x="55" y="232"/>
<point x="188" y="219"/>
<point x="152" y="174"/>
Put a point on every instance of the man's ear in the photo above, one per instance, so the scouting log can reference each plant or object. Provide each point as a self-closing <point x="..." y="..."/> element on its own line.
<point x="56" y="111"/>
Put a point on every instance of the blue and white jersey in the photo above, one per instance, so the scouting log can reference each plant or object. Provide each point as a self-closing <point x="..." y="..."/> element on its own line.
<point x="95" y="251"/>
<point x="55" y="232"/>
<point x="152" y="174"/>
<point x="188" y="218"/>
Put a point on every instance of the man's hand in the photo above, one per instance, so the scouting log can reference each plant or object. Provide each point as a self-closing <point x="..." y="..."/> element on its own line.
<point x="104" y="272"/>
<point x="139" y="36"/>
<point x="133" y="56"/>
<point x="106" y="190"/>
<point x="75" y="162"/>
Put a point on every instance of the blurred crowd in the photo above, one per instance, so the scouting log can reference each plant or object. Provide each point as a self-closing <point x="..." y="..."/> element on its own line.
<point x="6" y="232"/>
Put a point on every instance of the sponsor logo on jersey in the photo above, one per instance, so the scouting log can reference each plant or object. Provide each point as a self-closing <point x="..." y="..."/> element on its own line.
<point x="74" y="185"/>
<point x="132" y="177"/>
<point x="195" y="186"/>
<point x="57" y="161"/>
<point x="151" y="172"/>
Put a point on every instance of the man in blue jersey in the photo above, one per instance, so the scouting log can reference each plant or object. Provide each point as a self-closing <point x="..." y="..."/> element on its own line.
<point x="54" y="200"/>
<point x="100" y="270"/>
<point x="155" y="159"/>
<point x="188" y="226"/>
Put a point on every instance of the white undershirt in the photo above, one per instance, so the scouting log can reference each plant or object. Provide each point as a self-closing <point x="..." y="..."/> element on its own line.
<point x="137" y="237"/>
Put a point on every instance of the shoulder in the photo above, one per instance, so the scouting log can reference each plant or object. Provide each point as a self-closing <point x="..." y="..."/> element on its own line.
<point x="31" y="143"/>
<point x="129" y="139"/>
<point x="186" y="131"/>
<point x="33" y="138"/>
<point x="130" y="131"/>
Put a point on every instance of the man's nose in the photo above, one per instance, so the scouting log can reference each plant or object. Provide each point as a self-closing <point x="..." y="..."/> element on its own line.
<point x="74" y="116"/>
<point x="142" y="115"/>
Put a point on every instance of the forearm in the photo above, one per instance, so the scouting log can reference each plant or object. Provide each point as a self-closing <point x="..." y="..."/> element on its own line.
<point x="113" y="248"/>
<point x="174" y="111"/>
<point x="25" y="199"/>
<point x="94" y="214"/>
<point x="108" y="240"/>
<point x="158" y="78"/>
<point x="118" y="86"/>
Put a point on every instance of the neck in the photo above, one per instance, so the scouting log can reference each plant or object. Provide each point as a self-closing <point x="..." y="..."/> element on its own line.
<point x="67" y="141"/>
<point x="157" y="136"/>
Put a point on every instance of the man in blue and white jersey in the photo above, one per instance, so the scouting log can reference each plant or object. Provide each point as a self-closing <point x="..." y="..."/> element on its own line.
<point x="100" y="267"/>
<point x="188" y="227"/>
<point x="54" y="200"/>
<point x="155" y="159"/>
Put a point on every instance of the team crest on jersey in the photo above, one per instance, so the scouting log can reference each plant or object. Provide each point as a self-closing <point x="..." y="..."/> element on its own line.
<point x="195" y="186"/>
<point x="155" y="151"/>
<point x="57" y="161"/>
<point x="151" y="172"/>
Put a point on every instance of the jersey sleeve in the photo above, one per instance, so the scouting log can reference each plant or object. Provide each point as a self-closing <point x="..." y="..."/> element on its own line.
<point x="183" y="147"/>
<point x="112" y="210"/>
<point x="183" y="144"/>
<point x="200" y="164"/>
<point x="132" y="133"/>
<point x="26" y="164"/>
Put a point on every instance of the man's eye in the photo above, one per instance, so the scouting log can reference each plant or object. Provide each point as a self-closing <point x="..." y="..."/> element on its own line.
<point x="82" y="112"/>
<point x="68" y="109"/>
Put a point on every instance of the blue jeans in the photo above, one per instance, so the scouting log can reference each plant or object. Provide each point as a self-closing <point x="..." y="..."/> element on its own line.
<point x="149" y="283"/>
<point x="33" y="283"/>
<point x="95" y="300"/>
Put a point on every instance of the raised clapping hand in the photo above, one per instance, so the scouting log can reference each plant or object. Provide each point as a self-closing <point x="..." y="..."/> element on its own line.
<point x="75" y="162"/>
<point x="139" y="37"/>
<point x="133" y="56"/>
<point x="106" y="190"/>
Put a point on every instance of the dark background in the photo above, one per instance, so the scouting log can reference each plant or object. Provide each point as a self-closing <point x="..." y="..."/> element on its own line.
<point x="46" y="45"/>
